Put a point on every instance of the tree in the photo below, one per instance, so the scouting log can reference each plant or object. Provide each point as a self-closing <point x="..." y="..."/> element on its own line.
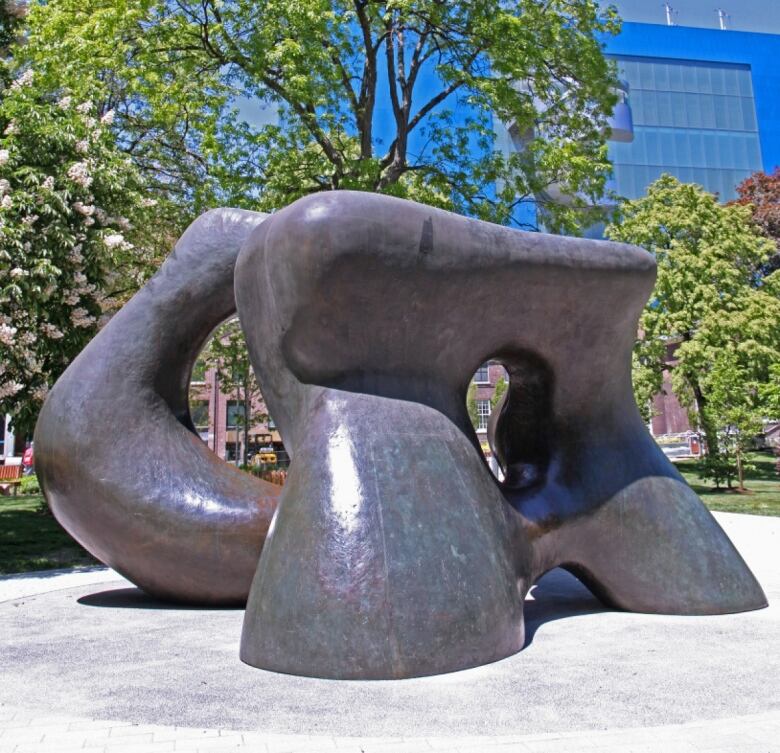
<point x="398" y="97"/>
<point x="770" y="392"/>
<point x="228" y="355"/>
<point x="471" y="404"/>
<point x="11" y="15"/>
<point x="74" y="218"/>
<point x="736" y="408"/>
<point x="762" y="193"/>
<point x="498" y="393"/>
<point x="713" y="300"/>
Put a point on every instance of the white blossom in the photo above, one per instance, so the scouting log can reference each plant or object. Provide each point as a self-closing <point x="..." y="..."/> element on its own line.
<point x="5" y="155"/>
<point x="24" y="80"/>
<point x="117" y="240"/>
<point x="79" y="174"/>
<point x="11" y="129"/>
<point x="40" y="393"/>
<point x="64" y="102"/>
<point x="51" y="331"/>
<point x="30" y="219"/>
<point x="84" y="107"/>
<point x="108" y="118"/>
<point x="5" y="186"/>
<point x="86" y="209"/>
<point x="6" y="202"/>
<point x="7" y="334"/>
<point x="27" y="338"/>
<point x="48" y="183"/>
<point x="9" y="389"/>
<point x="17" y="272"/>
<point x="82" y="147"/>
<point x="33" y="366"/>
<point x="148" y="203"/>
<point x="80" y="317"/>
<point x="71" y="298"/>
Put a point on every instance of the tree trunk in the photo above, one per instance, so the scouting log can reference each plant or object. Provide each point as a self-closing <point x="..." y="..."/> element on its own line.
<point x="238" y="444"/>
<point x="246" y="421"/>
<point x="740" y="471"/>
<point x="710" y="431"/>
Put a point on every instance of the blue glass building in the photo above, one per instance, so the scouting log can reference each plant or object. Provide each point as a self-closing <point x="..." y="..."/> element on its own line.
<point x="705" y="104"/>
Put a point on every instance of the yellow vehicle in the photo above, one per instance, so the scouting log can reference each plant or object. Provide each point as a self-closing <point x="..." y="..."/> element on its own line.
<point x="264" y="456"/>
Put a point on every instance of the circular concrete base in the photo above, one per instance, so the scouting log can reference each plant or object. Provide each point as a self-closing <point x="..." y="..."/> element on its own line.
<point x="107" y="651"/>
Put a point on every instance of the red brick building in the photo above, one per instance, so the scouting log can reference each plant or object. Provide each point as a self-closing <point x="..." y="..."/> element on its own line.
<point x="218" y="417"/>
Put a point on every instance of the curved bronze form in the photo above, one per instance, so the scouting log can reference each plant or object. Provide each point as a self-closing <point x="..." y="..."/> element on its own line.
<point x="394" y="552"/>
<point x="117" y="455"/>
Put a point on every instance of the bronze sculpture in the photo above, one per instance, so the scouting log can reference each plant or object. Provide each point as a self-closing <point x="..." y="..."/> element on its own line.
<point x="394" y="551"/>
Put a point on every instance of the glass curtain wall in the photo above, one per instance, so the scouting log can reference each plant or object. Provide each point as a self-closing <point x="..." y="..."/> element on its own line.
<point x="694" y="120"/>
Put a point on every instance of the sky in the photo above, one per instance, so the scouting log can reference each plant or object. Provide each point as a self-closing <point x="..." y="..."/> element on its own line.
<point x="745" y="15"/>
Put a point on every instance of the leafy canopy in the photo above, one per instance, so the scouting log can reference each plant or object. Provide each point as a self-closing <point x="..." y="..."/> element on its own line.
<point x="396" y="97"/>
<point x="714" y="304"/>
<point x="762" y="193"/>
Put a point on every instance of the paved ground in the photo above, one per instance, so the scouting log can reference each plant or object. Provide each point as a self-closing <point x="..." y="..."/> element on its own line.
<point x="74" y="651"/>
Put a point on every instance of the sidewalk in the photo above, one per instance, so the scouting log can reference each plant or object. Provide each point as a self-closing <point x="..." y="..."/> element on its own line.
<point x="23" y="732"/>
<point x="87" y="662"/>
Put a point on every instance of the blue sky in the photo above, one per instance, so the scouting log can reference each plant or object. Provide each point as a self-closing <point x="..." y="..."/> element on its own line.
<point x="746" y="15"/>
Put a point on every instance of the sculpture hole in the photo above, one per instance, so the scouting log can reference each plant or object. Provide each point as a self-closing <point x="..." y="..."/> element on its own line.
<point x="227" y="409"/>
<point x="512" y="403"/>
<point x="486" y="388"/>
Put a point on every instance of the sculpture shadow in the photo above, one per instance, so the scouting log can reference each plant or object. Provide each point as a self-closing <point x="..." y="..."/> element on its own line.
<point x="557" y="595"/>
<point x="135" y="598"/>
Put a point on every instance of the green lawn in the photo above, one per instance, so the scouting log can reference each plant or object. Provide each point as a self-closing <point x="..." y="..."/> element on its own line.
<point x="763" y="488"/>
<point x="31" y="539"/>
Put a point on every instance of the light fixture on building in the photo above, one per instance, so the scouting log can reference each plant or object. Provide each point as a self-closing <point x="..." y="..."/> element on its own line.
<point x="621" y="123"/>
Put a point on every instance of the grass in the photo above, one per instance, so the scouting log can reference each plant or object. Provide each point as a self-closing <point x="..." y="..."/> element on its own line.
<point x="31" y="539"/>
<point x="763" y="487"/>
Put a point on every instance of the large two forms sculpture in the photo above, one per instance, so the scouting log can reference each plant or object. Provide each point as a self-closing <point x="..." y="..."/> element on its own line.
<point x="393" y="551"/>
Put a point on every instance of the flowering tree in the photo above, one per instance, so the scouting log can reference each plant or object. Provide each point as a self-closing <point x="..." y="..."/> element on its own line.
<point x="69" y="203"/>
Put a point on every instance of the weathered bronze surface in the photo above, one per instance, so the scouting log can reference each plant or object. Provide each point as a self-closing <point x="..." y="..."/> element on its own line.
<point x="394" y="551"/>
<point x="116" y="452"/>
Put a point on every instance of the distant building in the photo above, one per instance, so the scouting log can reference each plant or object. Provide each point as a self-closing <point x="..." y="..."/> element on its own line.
<point x="705" y="106"/>
<point x="218" y="419"/>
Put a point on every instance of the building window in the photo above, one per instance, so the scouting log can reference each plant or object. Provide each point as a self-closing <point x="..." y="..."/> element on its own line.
<point x="199" y="412"/>
<point x="483" y="413"/>
<point x="235" y="414"/>
<point x="482" y="376"/>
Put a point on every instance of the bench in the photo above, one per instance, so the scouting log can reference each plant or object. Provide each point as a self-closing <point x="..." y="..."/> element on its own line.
<point x="10" y="476"/>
